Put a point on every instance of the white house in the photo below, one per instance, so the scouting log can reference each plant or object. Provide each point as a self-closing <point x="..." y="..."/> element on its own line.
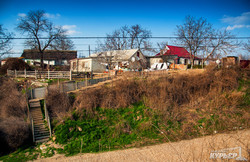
<point x="122" y="59"/>
<point x="50" y="57"/>
<point x="117" y="59"/>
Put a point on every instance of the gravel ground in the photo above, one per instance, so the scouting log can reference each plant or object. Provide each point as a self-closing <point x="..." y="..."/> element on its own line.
<point x="198" y="149"/>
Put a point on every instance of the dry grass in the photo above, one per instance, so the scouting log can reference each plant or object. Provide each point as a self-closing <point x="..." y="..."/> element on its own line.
<point x="14" y="130"/>
<point x="12" y="101"/>
<point x="180" y="98"/>
<point x="58" y="104"/>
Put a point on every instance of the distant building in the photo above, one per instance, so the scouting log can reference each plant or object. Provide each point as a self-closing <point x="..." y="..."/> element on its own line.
<point x="123" y="59"/>
<point x="230" y="60"/>
<point x="87" y="65"/>
<point x="50" y="57"/>
<point x="113" y="60"/>
<point x="177" y="55"/>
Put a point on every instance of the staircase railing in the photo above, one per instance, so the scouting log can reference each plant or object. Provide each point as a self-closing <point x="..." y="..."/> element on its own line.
<point x="47" y="118"/>
<point x="32" y="127"/>
<point x="29" y="115"/>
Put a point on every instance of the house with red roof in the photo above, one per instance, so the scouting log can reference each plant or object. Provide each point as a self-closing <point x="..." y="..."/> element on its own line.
<point x="177" y="55"/>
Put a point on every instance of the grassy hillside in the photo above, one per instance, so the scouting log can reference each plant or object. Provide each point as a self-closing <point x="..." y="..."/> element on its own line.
<point x="142" y="111"/>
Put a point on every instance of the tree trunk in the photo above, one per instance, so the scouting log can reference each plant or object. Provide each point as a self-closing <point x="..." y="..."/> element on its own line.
<point x="41" y="60"/>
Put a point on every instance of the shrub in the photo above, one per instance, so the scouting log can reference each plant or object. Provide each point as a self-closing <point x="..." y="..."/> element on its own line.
<point x="58" y="104"/>
<point x="14" y="133"/>
<point x="14" y="64"/>
<point x="14" y="130"/>
<point x="12" y="101"/>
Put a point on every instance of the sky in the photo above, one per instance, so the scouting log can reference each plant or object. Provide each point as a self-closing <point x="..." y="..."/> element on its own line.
<point x="99" y="17"/>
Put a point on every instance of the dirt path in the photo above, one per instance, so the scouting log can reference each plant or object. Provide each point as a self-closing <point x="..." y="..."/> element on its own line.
<point x="198" y="149"/>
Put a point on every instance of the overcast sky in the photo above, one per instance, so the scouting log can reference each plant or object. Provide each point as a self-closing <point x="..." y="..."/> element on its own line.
<point x="98" y="17"/>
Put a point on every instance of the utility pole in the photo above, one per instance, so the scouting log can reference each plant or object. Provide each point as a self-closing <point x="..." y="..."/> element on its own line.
<point x="89" y="50"/>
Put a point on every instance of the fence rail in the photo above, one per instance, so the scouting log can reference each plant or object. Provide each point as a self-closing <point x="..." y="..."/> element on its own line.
<point x="40" y="74"/>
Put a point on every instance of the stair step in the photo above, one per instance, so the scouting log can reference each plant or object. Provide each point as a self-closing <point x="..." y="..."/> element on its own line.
<point x="41" y="137"/>
<point x="37" y="114"/>
<point x="33" y="106"/>
<point x="39" y="124"/>
<point x="42" y="140"/>
<point x="41" y="130"/>
<point x="38" y="117"/>
<point x="41" y="134"/>
<point x="36" y="110"/>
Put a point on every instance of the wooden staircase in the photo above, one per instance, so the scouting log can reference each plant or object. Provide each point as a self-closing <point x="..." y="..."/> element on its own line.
<point x="41" y="131"/>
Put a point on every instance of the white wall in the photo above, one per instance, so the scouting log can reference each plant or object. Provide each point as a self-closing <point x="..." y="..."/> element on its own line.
<point x="31" y="61"/>
<point x="86" y="65"/>
<point x="155" y="60"/>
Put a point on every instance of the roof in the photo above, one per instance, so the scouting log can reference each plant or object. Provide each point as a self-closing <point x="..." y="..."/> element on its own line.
<point x="120" y="54"/>
<point x="5" y="59"/>
<point x="50" y="54"/>
<point x="178" y="51"/>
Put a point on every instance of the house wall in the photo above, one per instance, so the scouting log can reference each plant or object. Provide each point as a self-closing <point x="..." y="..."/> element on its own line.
<point x="87" y="65"/>
<point x="97" y="66"/>
<point x="155" y="60"/>
<point x="48" y="62"/>
<point x="140" y="61"/>
<point x="196" y="62"/>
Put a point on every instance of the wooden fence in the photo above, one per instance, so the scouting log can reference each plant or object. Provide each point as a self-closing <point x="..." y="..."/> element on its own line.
<point x="40" y="74"/>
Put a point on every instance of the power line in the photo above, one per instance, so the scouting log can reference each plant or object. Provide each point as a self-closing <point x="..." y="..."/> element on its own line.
<point x="155" y="37"/>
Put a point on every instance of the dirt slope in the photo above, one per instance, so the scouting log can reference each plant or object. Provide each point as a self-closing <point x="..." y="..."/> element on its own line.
<point x="198" y="149"/>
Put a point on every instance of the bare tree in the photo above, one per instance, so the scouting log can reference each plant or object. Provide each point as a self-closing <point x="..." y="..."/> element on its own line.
<point x="192" y="34"/>
<point x="138" y="36"/>
<point x="219" y="42"/>
<point x="62" y="43"/>
<point x="126" y="38"/>
<point x="5" y="41"/>
<point x="247" y="45"/>
<point x="117" y="40"/>
<point x="40" y="30"/>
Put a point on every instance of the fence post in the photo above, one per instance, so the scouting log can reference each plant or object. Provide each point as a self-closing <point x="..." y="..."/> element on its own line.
<point x="76" y="85"/>
<point x="25" y="73"/>
<point x="15" y="74"/>
<point x="35" y="75"/>
<point x="86" y="81"/>
<point x="70" y="75"/>
<point x="48" y="74"/>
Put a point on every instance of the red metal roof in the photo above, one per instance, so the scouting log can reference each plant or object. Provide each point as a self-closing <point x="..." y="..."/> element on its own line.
<point x="179" y="51"/>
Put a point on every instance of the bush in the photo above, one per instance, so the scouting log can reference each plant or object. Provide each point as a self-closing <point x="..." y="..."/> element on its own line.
<point x="177" y="99"/>
<point x="12" y="101"/>
<point x="14" y="64"/>
<point x="14" y="132"/>
<point x="58" y="104"/>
